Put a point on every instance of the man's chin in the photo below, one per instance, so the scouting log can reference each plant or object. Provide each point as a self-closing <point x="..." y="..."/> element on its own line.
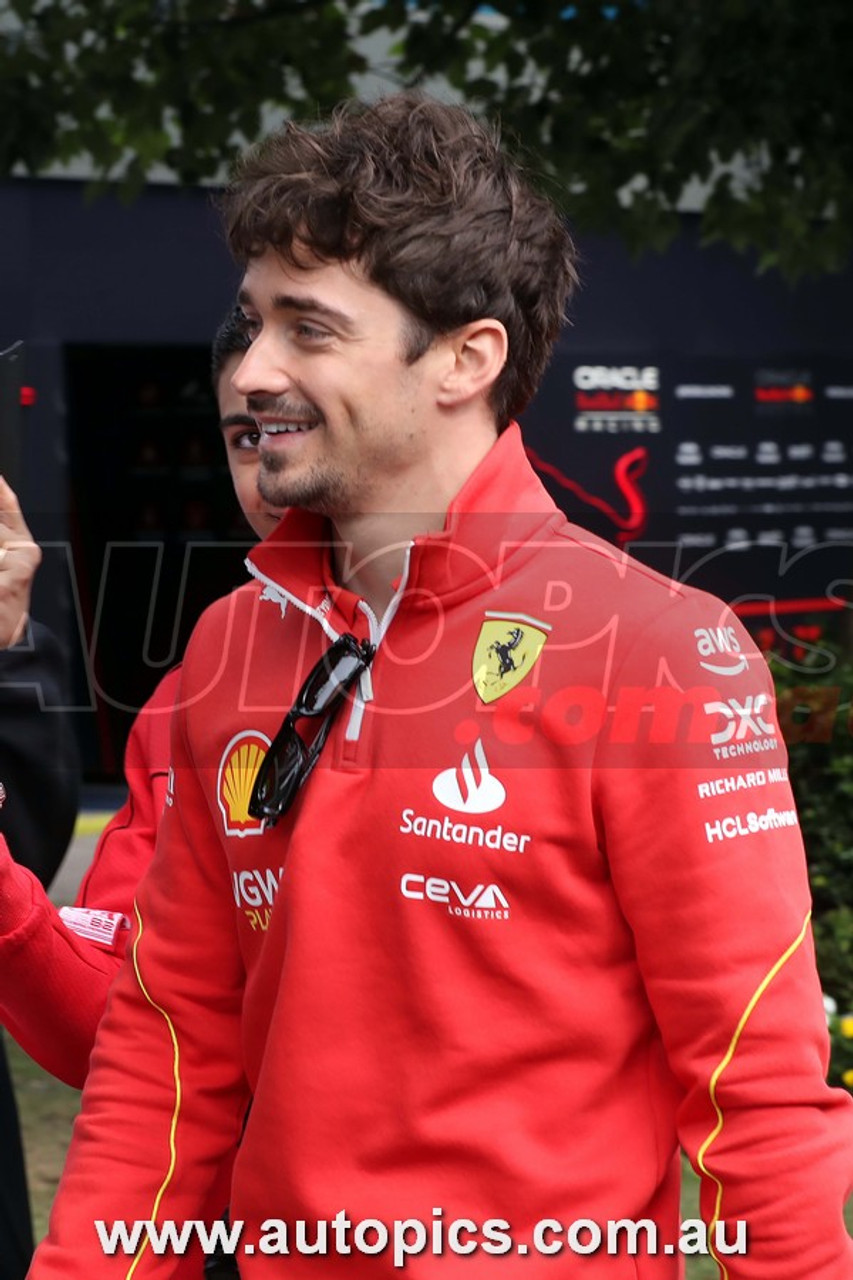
<point x="296" y="495"/>
<point x="275" y="488"/>
<point x="316" y="493"/>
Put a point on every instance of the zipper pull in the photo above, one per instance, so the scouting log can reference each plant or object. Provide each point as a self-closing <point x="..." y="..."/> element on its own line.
<point x="365" y="686"/>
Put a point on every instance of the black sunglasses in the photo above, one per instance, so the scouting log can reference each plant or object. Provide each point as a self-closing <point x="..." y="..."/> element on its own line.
<point x="288" y="761"/>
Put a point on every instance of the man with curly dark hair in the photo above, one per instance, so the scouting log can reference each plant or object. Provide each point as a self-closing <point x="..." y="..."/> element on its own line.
<point x="479" y="887"/>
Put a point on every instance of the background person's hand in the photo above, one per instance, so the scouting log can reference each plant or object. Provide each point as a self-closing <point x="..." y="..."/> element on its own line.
<point x="19" y="559"/>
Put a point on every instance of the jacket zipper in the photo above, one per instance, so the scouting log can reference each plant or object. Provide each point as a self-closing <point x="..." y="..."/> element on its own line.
<point x="378" y="629"/>
<point x="272" y="591"/>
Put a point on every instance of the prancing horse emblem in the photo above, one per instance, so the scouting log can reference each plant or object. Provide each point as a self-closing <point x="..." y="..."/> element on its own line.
<point x="504" y="649"/>
<point x="507" y="648"/>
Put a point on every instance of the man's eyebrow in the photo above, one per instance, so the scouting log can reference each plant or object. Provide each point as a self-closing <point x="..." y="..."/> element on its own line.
<point x="302" y="302"/>
<point x="238" y="420"/>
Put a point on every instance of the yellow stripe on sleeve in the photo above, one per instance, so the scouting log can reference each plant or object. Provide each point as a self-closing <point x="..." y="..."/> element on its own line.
<point x="715" y="1079"/>
<point x="176" y="1072"/>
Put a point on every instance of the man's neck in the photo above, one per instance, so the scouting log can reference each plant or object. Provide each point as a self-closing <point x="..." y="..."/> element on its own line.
<point x="369" y="552"/>
<point x="370" y="548"/>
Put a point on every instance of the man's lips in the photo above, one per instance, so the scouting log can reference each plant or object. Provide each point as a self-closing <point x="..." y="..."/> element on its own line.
<point x="286" y="428"/>
<point x="270" y="426"/>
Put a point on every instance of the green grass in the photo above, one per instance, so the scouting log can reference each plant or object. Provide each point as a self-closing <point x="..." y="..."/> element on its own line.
<point x="48" y="1109"/>
<point x="697" y="1268"/>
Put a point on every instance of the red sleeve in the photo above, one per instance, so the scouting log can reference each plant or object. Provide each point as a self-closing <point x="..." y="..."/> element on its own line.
<point x="165" y="1097"/>
<point x="700" y="829"/>
<point x="54" y="980"/>
<point x="126" y="845"/>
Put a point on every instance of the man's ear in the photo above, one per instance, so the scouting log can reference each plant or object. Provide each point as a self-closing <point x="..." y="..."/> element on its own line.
<point x="476" y="354"/>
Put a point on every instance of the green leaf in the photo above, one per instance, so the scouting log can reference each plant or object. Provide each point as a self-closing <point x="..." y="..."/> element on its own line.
<point x="666" y="91"/>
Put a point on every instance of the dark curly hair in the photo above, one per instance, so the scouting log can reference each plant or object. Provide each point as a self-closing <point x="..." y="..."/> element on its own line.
<point x="230" y="339"/>
<point x="435" y="212"/>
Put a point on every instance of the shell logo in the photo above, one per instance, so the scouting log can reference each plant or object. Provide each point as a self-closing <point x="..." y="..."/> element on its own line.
<point x="238" y="769"/>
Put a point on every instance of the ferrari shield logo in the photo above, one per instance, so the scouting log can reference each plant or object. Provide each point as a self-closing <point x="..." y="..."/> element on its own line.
<point x="507" y="649"/>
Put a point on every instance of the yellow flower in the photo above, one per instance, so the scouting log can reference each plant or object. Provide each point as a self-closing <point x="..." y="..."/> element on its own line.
<point x="848" y="1077"/>
<point x="845" y="1026"/>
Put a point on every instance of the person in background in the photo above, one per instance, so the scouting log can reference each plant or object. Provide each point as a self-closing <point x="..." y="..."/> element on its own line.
<point x="57" y="965"/>
<point x="39" y="780"/>
<point x="479" y="887"/>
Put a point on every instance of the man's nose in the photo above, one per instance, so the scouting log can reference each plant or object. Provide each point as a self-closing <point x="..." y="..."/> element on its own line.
<point x="261" y="371"/>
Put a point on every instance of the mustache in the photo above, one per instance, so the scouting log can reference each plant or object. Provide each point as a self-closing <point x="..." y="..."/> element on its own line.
<point x="282" y="407"/>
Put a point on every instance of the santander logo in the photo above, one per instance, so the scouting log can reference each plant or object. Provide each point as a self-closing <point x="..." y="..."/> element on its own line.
<point x="470" y="788"/>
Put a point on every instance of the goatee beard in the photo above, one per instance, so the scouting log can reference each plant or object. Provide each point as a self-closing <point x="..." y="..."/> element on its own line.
<point x="315" y="491"/>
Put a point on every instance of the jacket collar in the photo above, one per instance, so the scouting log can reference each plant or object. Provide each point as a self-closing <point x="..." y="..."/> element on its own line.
<point x="490" y="523"/>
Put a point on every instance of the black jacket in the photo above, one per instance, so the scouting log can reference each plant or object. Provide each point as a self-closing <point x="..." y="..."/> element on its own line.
<point x="39" y="766"/>
<point x="39" y="782"/>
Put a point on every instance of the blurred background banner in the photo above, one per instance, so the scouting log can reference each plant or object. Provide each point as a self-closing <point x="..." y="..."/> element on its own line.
<point x="11" y="383"/>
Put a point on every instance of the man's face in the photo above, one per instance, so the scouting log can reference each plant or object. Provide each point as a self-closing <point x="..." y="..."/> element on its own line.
<point x="348" y="427"/>
<point x="240" y="435"/>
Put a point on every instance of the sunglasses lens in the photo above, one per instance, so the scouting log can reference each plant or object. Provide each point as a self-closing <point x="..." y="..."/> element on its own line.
<point x="331" y="678"/>
<point x="278" y="777"/>
<point x="288" y="761"/>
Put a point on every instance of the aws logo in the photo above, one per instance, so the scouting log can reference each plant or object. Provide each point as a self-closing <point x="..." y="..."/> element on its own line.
<point x="720" y="643"/>
<point x="238" y="769"/>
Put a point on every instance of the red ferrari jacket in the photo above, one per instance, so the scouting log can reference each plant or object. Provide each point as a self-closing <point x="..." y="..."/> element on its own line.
<point x="56" y="968"/>
<point x="539" y="914"/>
<point x="55" y="972"/>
